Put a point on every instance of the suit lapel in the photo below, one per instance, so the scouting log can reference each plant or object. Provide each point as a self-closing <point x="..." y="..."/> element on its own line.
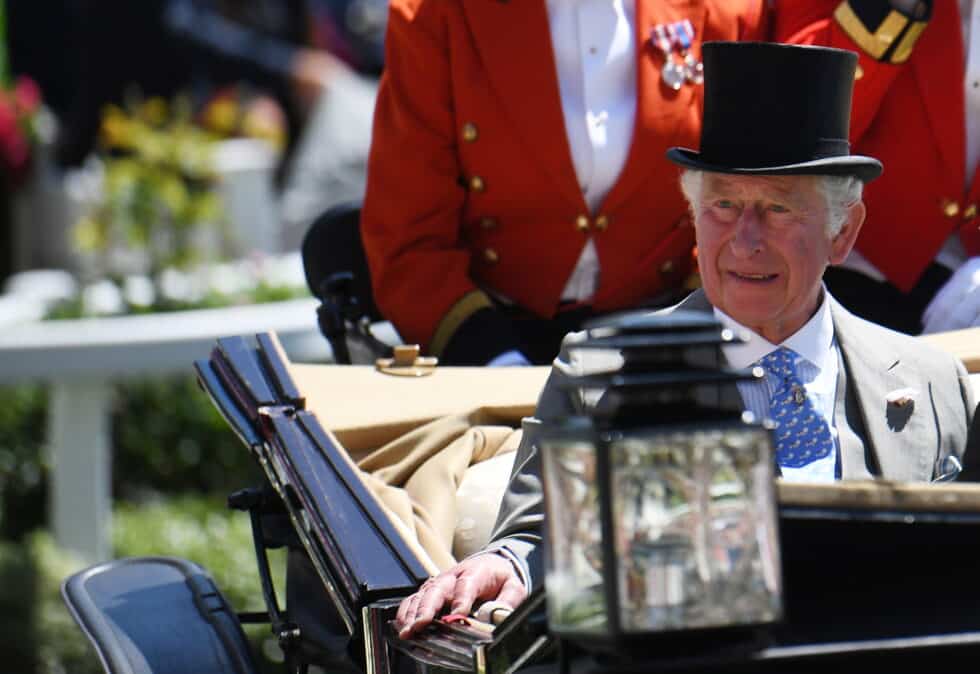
<point x="937" y="59"/>
<point x="659" y="109"/>
<point x="897" y="438"/>
<point x="855" y="459"/>
<point x="696" y="301"/>
<point x="514" y="41"/>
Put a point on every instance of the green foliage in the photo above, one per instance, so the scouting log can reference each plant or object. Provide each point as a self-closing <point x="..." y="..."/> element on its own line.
<point x="61" y="647"/>
<point x="18" y="610"/>
<point x="168" y="437"/>
<point x="22" y="488"/>
<point x="37" y="633"/>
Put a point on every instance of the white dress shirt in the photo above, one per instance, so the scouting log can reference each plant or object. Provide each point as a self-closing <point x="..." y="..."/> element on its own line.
<point x="818" y="368"/>
<point x="594" y="43"/>
<point x="952" y="254"/>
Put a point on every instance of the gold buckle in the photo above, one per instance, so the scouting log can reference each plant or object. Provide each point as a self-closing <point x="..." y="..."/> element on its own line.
<point x="407" y="362"/>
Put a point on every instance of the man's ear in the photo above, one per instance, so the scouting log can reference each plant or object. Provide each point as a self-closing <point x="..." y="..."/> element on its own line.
<point x="842" y="244"/>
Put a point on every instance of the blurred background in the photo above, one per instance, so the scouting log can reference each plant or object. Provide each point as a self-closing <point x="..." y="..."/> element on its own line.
<point x="157" y="158"/>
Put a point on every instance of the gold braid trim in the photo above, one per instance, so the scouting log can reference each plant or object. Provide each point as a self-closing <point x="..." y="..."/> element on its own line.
<point x="891" y="42"/>
<point x="904" y="49"/>
<point x="467" y="305"/>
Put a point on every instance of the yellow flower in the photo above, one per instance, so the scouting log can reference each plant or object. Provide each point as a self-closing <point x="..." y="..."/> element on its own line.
<point x="221" y="116"/>
<point x="154" y="111"/>
<point x="115" y="131"/>
<point x="89" y="234"/>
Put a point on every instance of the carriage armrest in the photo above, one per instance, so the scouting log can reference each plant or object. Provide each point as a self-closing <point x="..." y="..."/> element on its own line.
<point x="521" y="639"/>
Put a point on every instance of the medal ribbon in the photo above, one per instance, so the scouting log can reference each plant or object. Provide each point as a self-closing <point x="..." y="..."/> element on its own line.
<point x="661" y="40"/>
<point x="683" y="34"/>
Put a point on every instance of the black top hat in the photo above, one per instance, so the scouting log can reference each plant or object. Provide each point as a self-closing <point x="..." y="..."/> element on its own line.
<point x="775" y="109"/>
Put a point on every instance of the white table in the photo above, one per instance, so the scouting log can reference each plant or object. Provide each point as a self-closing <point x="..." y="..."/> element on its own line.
<point x="79" y="358"/>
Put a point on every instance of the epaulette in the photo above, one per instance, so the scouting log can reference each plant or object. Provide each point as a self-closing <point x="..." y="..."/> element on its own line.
<point x="883" y="32"/>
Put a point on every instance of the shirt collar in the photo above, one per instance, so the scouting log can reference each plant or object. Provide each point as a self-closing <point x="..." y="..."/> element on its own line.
<point x="814" y="341"/>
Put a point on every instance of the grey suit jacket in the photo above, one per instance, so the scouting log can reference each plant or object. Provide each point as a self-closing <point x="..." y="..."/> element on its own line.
<point x="882" y="439"/>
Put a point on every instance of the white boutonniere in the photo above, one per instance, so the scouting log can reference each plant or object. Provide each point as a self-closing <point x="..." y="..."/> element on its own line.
<point x="901" y="397"/>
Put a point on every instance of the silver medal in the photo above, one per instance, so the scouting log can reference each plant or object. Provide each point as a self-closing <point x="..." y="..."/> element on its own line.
<point x="693" y="69"/>
<point x="673" y="74"/>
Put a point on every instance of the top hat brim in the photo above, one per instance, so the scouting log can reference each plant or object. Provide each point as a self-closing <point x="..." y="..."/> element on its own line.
<point x="864" y="168"/>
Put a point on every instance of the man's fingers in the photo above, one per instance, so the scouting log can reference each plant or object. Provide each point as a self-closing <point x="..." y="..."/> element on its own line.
<point x="492" y="578"/>
<point x="432" y="601"/>
<point x="487" y="576"/>
<point x="466" y="592"/>
<point x="422" y="607"/>
<point x="407" y="609"/>
<point x="513" y="592"/>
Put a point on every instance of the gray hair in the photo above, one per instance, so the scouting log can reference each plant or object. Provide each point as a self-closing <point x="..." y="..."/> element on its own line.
<point x="840" y="193"/>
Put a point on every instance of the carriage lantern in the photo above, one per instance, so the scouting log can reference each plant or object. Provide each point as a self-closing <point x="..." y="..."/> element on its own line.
<point x="659" y="492"/>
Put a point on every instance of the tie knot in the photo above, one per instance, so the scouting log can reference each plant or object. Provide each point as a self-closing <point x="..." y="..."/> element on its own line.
<point x="781" y="362"/>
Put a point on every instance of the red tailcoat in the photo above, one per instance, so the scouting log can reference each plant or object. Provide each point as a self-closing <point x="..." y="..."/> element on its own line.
<point x="471" y="184"/>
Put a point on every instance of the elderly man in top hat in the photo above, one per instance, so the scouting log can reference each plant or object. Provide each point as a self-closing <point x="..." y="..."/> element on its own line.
<point x="776" y="198"/>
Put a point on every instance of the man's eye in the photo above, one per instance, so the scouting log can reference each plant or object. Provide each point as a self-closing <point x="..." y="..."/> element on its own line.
<point x="724" y="203"/>
<point x="776" y="208"/>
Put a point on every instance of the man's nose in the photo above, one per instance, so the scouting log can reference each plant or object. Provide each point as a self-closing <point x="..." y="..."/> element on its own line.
<point x="747" y="239"/>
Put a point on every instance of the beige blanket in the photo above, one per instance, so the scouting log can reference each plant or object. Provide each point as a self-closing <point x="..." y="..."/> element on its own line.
<point x="418" y="476"/>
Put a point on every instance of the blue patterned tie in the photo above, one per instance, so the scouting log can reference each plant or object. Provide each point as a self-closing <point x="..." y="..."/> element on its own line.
<point x="802" y="435"/>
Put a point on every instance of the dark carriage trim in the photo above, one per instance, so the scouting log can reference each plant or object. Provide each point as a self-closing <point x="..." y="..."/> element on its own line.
<point x="210" y="380"/>
<point x="356" y="550"/>
<point x="372" y="510"/>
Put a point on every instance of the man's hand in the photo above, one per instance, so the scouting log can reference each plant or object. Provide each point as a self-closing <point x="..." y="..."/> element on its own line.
<point x="485" y="577"/>
<point x="957" y="304"/>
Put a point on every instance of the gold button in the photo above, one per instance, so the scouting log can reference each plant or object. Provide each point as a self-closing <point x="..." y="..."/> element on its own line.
<point x="488" y="223"/>
<point x="469" y="132"/>
<point x="582" y="223"/>
<point x="490" y="255"/>
<point x="667" y="267"/>
<point x="858" y="73"/>
<point x="477" y="184"/>
<point x="970" y="212"/>
<point x="601" y="223"/>
<point x="951" y="209"/>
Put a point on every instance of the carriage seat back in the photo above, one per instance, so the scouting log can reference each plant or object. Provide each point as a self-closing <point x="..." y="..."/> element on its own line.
<point x="157" y="615"/>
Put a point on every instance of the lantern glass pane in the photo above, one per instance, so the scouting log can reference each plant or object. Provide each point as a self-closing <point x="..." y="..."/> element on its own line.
<point x="695" y="528"/>
<point x="574" y="561"/>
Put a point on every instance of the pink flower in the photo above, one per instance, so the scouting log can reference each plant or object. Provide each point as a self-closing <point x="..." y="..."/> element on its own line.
<point x="27" y="95"/>
<point x="8" y="119"/>
<point x="14" y="148"/>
